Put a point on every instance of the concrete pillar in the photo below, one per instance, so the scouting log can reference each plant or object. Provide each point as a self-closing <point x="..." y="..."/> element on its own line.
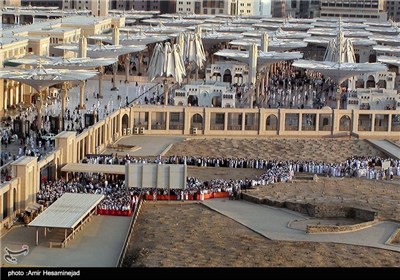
<point x="225" y="121"/>
<point x="6" y="94"/>
<point x="281" y="122"/>
<point x="127" y="66"/>
<point x="101" y="69"/>
<point x="165" y="89"/>
<point x="82" y="47"/>
<point x="37" y="236"/>
<point x="17" y="93"/>
<point x="39" y="111"/>
<point x="63" y="105"/>
<point x="206" y="120"/>
<point x="243" y="121"/>
<point x="82" y="95"/>
<point x="186" y="123"/>
<point x="355" y="118"/>
<point x="300" y="121"/>
<point x="115" y="36"/>
<point x="390" y="121"/>
<point x="114" y="82"/>
<point x="317" y="122"/>
<point x="253" y="52"/>
<point x="167" y="121"/>
<point x="264" y="42"/>
<point x="372" y="129"/>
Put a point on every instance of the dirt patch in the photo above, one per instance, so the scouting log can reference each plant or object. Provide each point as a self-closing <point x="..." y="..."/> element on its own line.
<point x="328" y="150"/>
<point x="191" y="235"/>
<point x="359" y="193"/>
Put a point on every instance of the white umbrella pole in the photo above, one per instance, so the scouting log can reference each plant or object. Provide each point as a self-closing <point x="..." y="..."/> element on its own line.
<point x="39" y="104"/>
<point x="100" y="82"/>
<point x="63" y="101"/>
<point x="253" y="69"/>
<point x="82" y="95"/>
<point x="165" y="88"/>
<point x="127" y="66"/>
<point x="115" y="69"/>
<point x="264" y="42"/>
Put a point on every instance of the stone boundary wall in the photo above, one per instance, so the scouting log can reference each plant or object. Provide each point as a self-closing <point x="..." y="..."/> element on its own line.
<point x="395" y="237"/>
<point x="333" y="228"/>
<point x="321" y="211"/>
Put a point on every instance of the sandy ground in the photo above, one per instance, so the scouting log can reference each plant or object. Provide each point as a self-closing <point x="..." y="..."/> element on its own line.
<point x="191" y="235"/>
<point x="331" y="150"/>
<point x="379" y="195"/>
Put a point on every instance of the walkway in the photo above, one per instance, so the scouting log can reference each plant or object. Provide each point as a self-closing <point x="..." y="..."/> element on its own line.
<point x="387" y="147"/>
<point x="98" y="245"/>
<point x="273" y="223"/>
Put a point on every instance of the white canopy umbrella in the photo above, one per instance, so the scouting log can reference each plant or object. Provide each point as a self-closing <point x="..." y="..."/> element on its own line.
<point x="324" y="41"/>
<point x="387" y="49"/>
<point x="192" y="50"/>
<point x="40" y="78"/>
<point x="392" y="60"/>
<point x="274" y="45"/>
<point x="387" y="39"/>
<point x="339" y="62"/>
<point x="166" y="62"/>
<point x="55" y="62"/>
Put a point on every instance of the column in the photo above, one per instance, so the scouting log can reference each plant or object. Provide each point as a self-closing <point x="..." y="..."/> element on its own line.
<point x="281" y="121"/>
<point x="101" y="81"/>
<point x="165" y="89"/>
<point x="317" y="122"/>
<point x="39" y="110"/>
<point x="82" y="95"/>
<point x="373" y="122"/>
<point x="225" y="121"/>
<point x="206" y="120"/>
<point x="243" y="121"/>
<point x="10" y="202"/>
<point x="167" y="121"/>
<point x="17" y="93"/>
<point x="127" y="66"/>
<point x="6" y="82"/>
<point x="114" y="82"/>
<point x="37" y="236"/>
<point x="390" y="116"/>
<point x="63" y="104"/>
<point x="300" y="121"/>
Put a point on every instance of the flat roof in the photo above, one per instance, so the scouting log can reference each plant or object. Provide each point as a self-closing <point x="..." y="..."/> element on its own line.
<point x="94" y="168"/>
<point x="67" y="211"/>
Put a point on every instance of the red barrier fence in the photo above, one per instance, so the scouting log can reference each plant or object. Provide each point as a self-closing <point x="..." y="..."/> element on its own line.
<point x="114" y="212"/>
<point x="190" y="197"/>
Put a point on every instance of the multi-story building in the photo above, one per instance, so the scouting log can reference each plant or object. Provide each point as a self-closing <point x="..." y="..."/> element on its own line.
<point x="97" y="7"/>
<point x="189" y="6"/>
<point x="227" y="7"/>
<point x="164" y="6"/>
<point x="296" y="8"/>
<point x="363" y="9"/>
<point x="393" y="9"/>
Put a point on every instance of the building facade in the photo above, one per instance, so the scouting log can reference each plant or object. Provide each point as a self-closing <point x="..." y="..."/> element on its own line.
<point x="373" y="10"/>
<point x="393" y="9"/>
<point x="296" y="8"/>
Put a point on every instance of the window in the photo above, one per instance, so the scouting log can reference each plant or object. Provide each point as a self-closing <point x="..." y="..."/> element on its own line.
<point x="219" y="118"/>
<point x="174" y="117"/>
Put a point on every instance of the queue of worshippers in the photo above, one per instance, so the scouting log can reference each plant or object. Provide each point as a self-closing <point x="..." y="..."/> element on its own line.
<point x="119" y="197"/>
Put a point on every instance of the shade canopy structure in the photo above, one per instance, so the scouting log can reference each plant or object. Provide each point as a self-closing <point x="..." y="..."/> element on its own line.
<point x="339" y="61"/>
<point x="257" y="33"/>
<point x="395" y="50"/>
<point x="324" y="41"/>
<point x="274" y="45"/>
<point x="214" y="37"/>
<point x="67" y="211"/>
<point x="40" y="78"/>
<point x="161" y="28"/>
<point x="187" y="15"/>
<point x="384" y="30"/>
<point x="101" y="51"/>
<point x="263" y="58"/>
<point x="387" y="39"/>
<point x="174" y="21"/>
<point x="392" y="60"/>
<point x="281" y="34"/>
<point x="140" y="38"/>
<point x="63" y="63"/>
<point x="326" y="32"/>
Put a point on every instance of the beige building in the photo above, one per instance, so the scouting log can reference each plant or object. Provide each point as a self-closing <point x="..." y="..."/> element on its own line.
<point x="10" y="3"/>
<point x="373" y="10"/>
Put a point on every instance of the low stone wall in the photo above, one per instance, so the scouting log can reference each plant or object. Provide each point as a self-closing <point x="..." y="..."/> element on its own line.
<point x="333" y="228"/>
<point x="394" y="238"/>
<point x="317" y="210"/>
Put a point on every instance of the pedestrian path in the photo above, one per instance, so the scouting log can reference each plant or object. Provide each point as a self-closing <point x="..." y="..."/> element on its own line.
<point x="273" y="223"/>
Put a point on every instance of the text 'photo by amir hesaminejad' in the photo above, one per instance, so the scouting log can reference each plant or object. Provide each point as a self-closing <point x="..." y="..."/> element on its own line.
<point x="40" y="272"/>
